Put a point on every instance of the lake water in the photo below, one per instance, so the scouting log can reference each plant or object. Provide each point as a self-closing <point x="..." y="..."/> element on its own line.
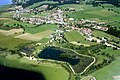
<point x="55" y="53"/>
<point x="7" y="73"/>
<point x="5" y="2"/>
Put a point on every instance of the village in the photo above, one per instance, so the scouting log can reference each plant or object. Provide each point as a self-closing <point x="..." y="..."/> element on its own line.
<point x="68" y="41"/>
<point x="57" y="17"/>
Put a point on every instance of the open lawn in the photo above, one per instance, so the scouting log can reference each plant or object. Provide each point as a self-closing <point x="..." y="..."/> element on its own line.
<point x="75" y="36"/>
<point x="10" y="42"/>
<point x="51" y="71"/>
<point x="109" y="71"/>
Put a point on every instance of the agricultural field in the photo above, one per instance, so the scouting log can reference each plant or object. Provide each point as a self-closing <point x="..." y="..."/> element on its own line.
<point x="10" y="43"/>
<point x="13" y="23"/>
<point x="100" y="56"/>
<point x="41" y="28"/>
<point x="101" y="34"/>
<point x="46" y="68"/>
<point x="44" y="40"/>
<point x="89" y="12"/>
<point x="27" y="15"/>
<point x="109" y="72"/>
<point x="75" y="36"/>
<point x="111" y="51"/>
<point x="112" y="39"/>
<point x="35" y="37"/>
<point x="65" y="55"/>
<point x="7" y="14"/>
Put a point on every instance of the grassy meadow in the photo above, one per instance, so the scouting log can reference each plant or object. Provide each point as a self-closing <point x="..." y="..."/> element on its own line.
<point x="108" y="71"/>
<point x="41" y="28"/>
<point x="77" y="37"/>
<point x="100" y="13"/>
<point x="51" y="71"/>
<point x="10" y="42"/>
<point x="101" y="34"/>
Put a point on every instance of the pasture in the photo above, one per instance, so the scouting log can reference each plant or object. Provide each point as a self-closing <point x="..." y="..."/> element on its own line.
<point x="111" y="17"/>
<point x="35" y="37"/>
<point x="11" y="32"/>
<point x="75" y="36"/>
<point x="14" y="23"/>
<point x="7" y="14"/>
<point x="10" y="42"/>
<point x="51" y="71"/>
<point x="109" y="71"/>
<point x="112" y="39"/>
<point x="101" y="34"/>
<point x="41" y="28"/>
<point x="111" y="51"/>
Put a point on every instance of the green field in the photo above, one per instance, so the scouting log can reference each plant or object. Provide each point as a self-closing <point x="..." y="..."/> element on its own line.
<point x="29" y="28"/>
<point x="7" y="14"/>
<point x="41" y="28"/>
<point x="44" y="40"/>
<point x="90" y="12"/>
<point x="11" y="22"/>
<point x="77" y="37"/>
<point x="27" y="15"/>
<point x="109" y="71"/>
<point x="10" y="42"/>
<point x="51" y="71"/>
<point x="110" y="38"/>
<point x="110" y="51"/>
<point x="41" y="3"/>
<point x="101" y="34"/>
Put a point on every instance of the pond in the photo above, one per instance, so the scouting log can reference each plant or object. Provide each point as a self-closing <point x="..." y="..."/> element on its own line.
<point x="78" y="62"/>
<point x="7" y="73"/>
<point x="60" y="55"/>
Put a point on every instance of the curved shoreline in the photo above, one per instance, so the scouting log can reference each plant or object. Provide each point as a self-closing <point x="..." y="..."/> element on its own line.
<point x="47" y="69"/>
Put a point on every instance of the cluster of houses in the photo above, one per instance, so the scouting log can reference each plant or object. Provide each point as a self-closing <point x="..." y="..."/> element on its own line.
<point x="20" y="10"/>
<point x="94" y="24"/>
<point x="86" y="31"/>
<point x="55" y="18"/>
<point x="57" y="36"/>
